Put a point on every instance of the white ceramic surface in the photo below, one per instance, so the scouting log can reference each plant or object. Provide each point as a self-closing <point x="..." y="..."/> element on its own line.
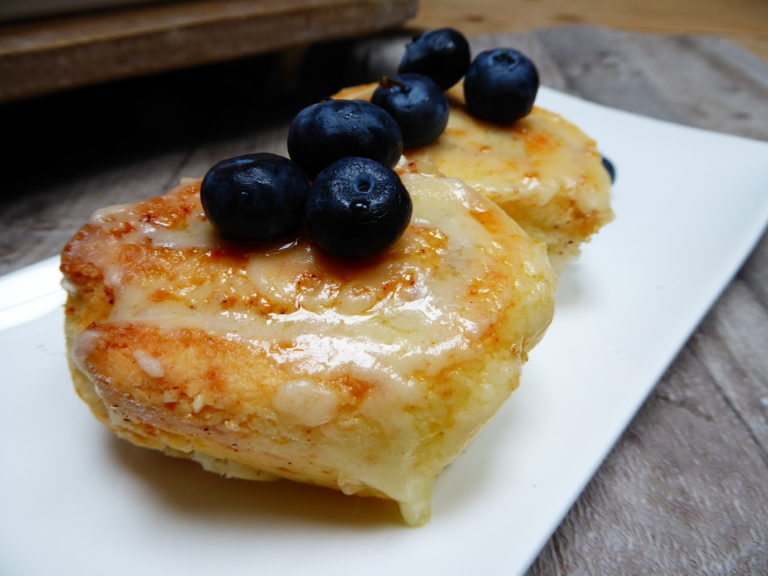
<point x="73" y="500"/>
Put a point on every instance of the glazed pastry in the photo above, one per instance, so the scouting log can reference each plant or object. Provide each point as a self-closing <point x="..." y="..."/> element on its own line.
<point x="282" y="362"/>
<point x="542" y="170"/>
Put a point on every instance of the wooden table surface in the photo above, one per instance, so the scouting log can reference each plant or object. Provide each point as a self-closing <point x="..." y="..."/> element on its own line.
<point x="685" y="491"/>
<point x="744" y="22"/>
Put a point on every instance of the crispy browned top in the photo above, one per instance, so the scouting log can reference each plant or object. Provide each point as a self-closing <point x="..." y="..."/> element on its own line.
<point x="542" y="170"/>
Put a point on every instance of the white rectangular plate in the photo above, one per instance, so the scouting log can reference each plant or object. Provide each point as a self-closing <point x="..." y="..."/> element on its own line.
<point x="690" y="205"/>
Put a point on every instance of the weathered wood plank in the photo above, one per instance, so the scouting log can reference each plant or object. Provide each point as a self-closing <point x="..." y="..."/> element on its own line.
<point x="742" y="22"/>
<point x="755" y="271"/>
<point x="41" y="56"/>
<point x="703" y="85"/>
<point x="684" y="492"/>
<point x="602" y="69"/>
<point x="730" y="343"/>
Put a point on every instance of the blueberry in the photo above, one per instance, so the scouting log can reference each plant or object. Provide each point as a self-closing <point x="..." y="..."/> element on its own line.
<point x="417" y="104"/>
<point x="442" y="54"/>
<point x="255" y="198"/>
<point x="501" y="86"/>
<point x="610" y="168"/>
<point x="357" y="208"/>
<point x="327" y="131"/>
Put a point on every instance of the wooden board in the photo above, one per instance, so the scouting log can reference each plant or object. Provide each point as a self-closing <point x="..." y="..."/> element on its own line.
<point x="41" y="56"/>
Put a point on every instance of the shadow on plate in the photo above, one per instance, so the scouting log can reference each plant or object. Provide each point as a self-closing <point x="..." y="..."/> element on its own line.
<point x="575" y="287"/>
<point x="184" y="489"/>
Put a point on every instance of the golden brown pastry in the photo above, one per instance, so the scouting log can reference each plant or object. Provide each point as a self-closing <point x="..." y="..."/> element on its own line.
<point x="283" y="362"/>
<point x="542" y="170"/>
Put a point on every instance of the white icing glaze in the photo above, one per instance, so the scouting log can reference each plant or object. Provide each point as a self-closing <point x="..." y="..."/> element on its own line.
<point x="149" y="364"/>
<point x="306" y="403"/>
<point x="498" y="161"/>
<point x="116" y="212"/>
<point x="197" y="403"/>
<point x="395" y="324"/>
<point x="336" y="327"/>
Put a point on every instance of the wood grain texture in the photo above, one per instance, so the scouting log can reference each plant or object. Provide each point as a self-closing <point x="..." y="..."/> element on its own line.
<point x="41" y="56"/>
<point x="685" y="491"/>
<point x="741" y="21"/>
